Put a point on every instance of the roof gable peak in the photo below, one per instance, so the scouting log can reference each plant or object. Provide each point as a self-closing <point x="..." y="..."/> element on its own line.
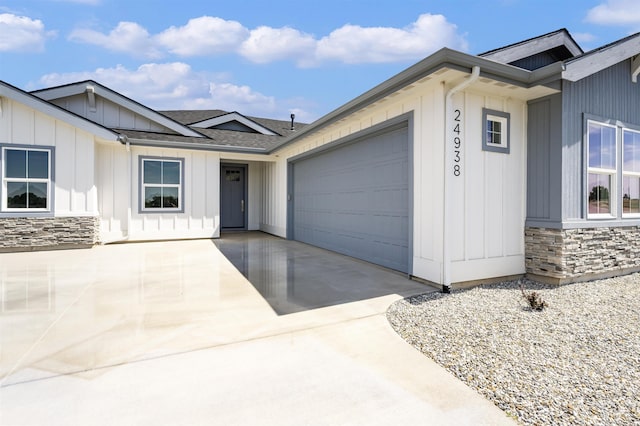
<point x="231" y="117"/>
<point x="32" y="101"/>
<point x="538" y="51"/>
<point x="93" y="89"/>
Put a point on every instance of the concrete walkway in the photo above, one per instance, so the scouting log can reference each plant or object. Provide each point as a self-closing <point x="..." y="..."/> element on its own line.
<point x="171" y="333"/>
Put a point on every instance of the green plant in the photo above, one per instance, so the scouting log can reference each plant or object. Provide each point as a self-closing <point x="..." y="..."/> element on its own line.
<point x="534" y="299"/>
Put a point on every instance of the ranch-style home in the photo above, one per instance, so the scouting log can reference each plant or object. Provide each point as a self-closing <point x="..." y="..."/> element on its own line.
<point x="524" y="159"/>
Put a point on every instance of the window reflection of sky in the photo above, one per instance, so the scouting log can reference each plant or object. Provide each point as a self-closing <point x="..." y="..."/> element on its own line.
<point x="163" y="172"/>
<point x="631" y="151"/>
<point x="16" y="163"/>
<point x="602" y="146"/>
<point x="38" y="164"/>
<point x="22" y="164"/>
<point x="170" y="172"/>
<point x="152" y="172"/>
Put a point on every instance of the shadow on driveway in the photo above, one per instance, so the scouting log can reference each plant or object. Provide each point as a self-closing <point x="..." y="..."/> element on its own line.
<point x="294" y="277"/>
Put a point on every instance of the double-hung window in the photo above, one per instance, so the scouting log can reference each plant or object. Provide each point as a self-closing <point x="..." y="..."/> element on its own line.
<point x="630" y="172"/>
<point x="26" y="179"/>
<point x="601" y="181"/>
<point x="161" y="188"/>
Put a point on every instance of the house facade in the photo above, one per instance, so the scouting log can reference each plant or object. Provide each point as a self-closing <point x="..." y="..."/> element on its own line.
<point x="525" y="159"/>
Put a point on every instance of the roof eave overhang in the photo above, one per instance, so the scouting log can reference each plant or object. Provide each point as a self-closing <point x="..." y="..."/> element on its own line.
<point x="444" y="58"/>
<point x="534" y="46"/>
<point x="600" y="59"/>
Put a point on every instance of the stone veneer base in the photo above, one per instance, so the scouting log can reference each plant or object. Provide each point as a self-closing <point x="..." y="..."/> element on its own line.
<point x="571" y="255"/>
<point x="48" y="233"/>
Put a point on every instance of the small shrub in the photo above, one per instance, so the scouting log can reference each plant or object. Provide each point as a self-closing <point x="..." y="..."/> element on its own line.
<point x="535" y="301"/>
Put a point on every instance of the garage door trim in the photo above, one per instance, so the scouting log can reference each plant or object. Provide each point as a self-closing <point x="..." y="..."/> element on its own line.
<point x="404" y="120"/>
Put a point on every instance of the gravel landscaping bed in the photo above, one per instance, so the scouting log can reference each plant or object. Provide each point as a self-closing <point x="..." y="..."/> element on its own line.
<point x="575" y="362"/>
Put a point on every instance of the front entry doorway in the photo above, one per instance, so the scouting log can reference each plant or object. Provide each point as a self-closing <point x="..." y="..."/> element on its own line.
<point x="233" y="197"/>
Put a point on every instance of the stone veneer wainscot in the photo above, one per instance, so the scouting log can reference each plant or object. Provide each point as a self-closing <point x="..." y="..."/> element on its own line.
<point x="47" y="233"/>
<point x="571" y="255"/>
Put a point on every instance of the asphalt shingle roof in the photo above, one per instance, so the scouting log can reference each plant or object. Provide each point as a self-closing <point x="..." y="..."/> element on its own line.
<point x="218" y="137"/>
<point x="281" y="127"/>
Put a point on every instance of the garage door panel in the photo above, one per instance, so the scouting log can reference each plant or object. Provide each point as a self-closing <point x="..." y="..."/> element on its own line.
<point x="355" y="199"/>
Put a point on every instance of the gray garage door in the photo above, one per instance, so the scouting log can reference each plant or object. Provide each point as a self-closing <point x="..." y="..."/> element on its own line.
<point x="353" y="199"/>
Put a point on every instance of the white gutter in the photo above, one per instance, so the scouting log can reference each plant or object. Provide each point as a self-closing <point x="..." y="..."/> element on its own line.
<point x="448" y="171"/>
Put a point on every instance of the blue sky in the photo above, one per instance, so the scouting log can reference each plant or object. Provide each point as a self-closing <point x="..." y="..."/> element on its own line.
<point x="270" y="58"/>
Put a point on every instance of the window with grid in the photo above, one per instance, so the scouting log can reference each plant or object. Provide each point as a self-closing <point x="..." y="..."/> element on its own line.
<point x="26" y="179"/>
<point x="161" y="184"/>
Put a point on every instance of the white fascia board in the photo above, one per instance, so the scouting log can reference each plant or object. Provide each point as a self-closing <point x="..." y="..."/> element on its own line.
<point x="591" y="63"/>
<point x="233" y="116"/>
<point x="56" y="112"/>
<point x="635" y="68"/>
<point x="115" y="97"/>
<point x="534" y="46"/>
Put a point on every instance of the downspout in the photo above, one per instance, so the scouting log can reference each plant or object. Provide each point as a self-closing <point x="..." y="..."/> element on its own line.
<point x="448" y="170"/>
<point x="124" y="139"/>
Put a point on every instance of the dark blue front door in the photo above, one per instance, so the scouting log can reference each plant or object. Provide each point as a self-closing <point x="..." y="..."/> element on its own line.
<point x="233" y="196"/>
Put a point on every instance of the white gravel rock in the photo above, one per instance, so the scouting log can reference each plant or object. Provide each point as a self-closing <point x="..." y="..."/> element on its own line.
<point x="575" y="362"/>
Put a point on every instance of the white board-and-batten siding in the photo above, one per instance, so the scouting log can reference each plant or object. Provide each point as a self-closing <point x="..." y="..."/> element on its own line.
<point x="120" y="195"/>
<point x="489" y="201"/>
<point x="487" y="237"/>
<point x="74" y="155"/>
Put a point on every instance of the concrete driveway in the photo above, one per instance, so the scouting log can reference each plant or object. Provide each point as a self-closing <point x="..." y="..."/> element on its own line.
<point x="172" y="333"/>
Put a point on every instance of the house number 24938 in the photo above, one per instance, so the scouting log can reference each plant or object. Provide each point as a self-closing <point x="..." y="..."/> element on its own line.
<point x="457" y="143"/>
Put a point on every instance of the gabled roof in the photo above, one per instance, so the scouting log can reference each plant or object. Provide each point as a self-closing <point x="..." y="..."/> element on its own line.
<point x="603" y="57"/>
<point x="558" y="45"/>
<point x="574" y="68"/>
<point x="93" y="88"/>
<point x="443" y="58"/>
<point x="188" y="117"/>
<point x="229" y="118"/>
<point x="216" y="139"/>
<point x="211" y="129"/>
<point x="25" y="98"/>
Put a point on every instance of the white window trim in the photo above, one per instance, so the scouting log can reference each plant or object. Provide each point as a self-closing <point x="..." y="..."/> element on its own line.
<point x="613" y="190"/>
<point x="629" y="174"/>
<point x="503" y="122"/>
<point x="6" y="180"/>
<point x="143" y="185"/>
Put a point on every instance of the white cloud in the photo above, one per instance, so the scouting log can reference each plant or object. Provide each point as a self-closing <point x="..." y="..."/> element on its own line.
<point x="175" y="85"/>
<point x="349" y="44"/>
<point x="235" y="98"/>
<point x="22" y="34"/>
<point x="266" y="44"/>
<point x="615" y="12"/>
<point x="355" y="44"/>
<point x="87" y="2"/>
<point x="203" y="36"/>
<point x="127" y="37"/>
<point x="583" y="37"/>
